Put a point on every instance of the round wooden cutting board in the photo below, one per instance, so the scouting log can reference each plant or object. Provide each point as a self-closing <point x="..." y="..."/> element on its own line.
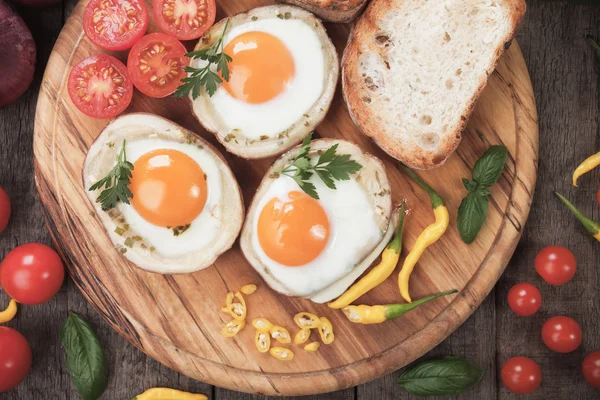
<point x="177" y="320"/>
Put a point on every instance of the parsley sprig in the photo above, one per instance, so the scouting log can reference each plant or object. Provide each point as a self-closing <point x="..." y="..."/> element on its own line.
<point x="205" y="76"/>
<point x="330" y="167"/>
<point x="116" y="183"/>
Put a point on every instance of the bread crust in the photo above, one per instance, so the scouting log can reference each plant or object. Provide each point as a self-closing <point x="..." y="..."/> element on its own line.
<point x="365" y="118"/>
<point x="332" y="10"/>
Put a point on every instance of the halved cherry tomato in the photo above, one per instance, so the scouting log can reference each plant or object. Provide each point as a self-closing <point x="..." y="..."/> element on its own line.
<point x="157" y="64"/>
<point x="15" y="358"/>
<point x="184" y="19"/>
<point x="115" y="24"/>
<point x="4" y="209"/>
<point x="591" y="369"/>
<point x="561" y="334"/>
<point x="32" y="273"/>
<point x="100" y="87"/>
<point x="521" y="375"/>
<point x="524" y="299"/>
<point x="556" y="265"/>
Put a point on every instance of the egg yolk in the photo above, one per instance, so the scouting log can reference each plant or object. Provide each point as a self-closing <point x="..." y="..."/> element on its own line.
<point x="261" y="67"/>
<point x="169" y="188"/>
<point x="293" y="232"/>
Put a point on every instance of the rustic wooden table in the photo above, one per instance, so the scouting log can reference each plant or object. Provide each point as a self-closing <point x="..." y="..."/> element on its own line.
<point x="566" y="78"/>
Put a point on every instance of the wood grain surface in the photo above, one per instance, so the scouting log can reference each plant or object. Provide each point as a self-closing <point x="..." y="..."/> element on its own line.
<point x="565" y="79"/>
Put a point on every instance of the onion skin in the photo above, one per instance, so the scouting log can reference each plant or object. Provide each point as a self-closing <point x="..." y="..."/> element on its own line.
<point x="17" y="63"/>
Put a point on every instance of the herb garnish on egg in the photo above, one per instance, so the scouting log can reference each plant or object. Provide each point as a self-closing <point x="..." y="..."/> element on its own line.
<point x="205" y="76"/>
<point x="116" y="183"/>
<point x="329" y="167"/>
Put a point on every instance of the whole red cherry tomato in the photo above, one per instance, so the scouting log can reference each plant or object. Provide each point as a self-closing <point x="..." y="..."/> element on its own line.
<point x="4" y="209"/>
<point x="15" y="358"/>
<point x="556" y="265"/>
<point x="524" y="299"/>
<point x="521" y="375"/>
<point x="561" y="334"/>
<point x="591" y="369"/>
<point x="32" y="273"/>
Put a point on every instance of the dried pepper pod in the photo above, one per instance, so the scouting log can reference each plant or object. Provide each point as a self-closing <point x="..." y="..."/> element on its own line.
<point x="302" y="336"/>
<point x="307" y="320"/>
<point x="262" y="324"/>
<point x="9" y="313"/>
<point x="280" y="334"/>
<point x="429" y="236"/>
<point x="326" y="331"/>
<point x="314" y="346"/>
<point x="281" y="353"/>
<point x="233" y="327"/>
<point x="248" y="289"/>
<point x="160" y="393"/>
<point x="590" y="225"/>
<point x="376" y="314"/>
<point x="262" y="341"/>
<point x="236" y="305"/>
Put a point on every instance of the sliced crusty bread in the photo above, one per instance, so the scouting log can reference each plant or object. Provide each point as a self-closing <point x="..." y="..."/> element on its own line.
<point x="332" y="10"/>
<point x="413" y="70"/>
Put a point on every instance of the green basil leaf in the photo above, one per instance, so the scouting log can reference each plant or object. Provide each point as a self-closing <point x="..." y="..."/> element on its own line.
<point x="490" y="165"/>
<point x="84" y="356"/>
<point x="471" y="186"/>
<point x="447" y="376"/>
<point x="472" y="213"/>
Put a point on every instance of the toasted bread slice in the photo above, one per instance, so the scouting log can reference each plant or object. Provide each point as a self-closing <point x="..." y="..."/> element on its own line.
<point x="332" y="10"/>
<point x="413" y="70"/>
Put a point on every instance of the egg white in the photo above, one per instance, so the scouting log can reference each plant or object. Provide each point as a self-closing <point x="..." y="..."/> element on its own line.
<point x="354" y="232"/>
<point x="275" y="116"/>
<point x="204" y="228"/>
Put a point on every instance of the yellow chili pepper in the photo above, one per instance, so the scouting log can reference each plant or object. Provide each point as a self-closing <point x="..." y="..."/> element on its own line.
<point x="280" y="334"/>
<point x="262" y="341"/>
<point x="262" y="324"/>
<point x="233" y="327"/>
<point x="314" y="346"/>
<point x="248" y="289"/>
<point x="326" y="331"/>
<point x="377" y="314"/>
<point x="586" y="166"/>
<point x="9" y="313"/>
<point x="429" y="236"/>
<point x="168" y="394"/>
<point x="281" y="353"/>
<point x="379" y="273"/>
<point x="236" y="305"/>
<point x="302" y="336"/>
<point x="307" y="320"/>
<point x="590" y="225"/>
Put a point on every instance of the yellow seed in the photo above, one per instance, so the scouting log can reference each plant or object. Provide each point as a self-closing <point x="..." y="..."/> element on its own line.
<point x="262" y="324"/>
<point x="262" y="341"/>
<point x="314" y="346"/>
<point x="225" y="309"/>
<point x="302" y="336"/>
<point x="280" y="334"/>
<point x="233" y="327"/>
<point x="281" y="353"/>
<point x="326" y="331"/>
<point x="307" y="320"/>
<point x="246" y="289"/>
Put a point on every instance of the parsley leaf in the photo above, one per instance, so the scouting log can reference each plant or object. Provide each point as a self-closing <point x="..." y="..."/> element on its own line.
<point x="116" y="183"/>
<point x="205" y="77"/>
<point x="329" y="167"/>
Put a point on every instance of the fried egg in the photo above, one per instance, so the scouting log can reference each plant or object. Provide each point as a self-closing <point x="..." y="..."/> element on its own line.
<point x="283" y="74"/>
<point x="303" y="246"/>
<point x="186" y="207"/>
